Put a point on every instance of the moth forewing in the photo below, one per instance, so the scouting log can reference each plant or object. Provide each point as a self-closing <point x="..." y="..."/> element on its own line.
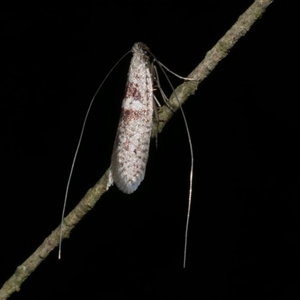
<point x="131" y="146"/>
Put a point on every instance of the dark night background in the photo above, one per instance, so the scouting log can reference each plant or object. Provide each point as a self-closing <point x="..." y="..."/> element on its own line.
<point x="244" y="238"/>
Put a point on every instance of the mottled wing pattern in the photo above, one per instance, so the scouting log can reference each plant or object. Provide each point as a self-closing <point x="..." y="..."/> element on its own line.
<point x="131" y="147"/>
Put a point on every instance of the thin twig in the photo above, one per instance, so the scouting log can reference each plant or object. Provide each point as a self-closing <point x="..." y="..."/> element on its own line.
<point x="212" y="58"/>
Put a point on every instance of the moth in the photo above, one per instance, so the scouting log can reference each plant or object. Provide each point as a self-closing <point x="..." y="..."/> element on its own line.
<point x="131" y="147"/>
<point x="132" y="142"/>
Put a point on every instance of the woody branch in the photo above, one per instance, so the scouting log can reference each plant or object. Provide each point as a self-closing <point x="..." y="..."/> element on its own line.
<point x="182" y="92"/>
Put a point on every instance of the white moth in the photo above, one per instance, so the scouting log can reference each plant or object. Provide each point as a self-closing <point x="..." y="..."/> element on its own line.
<point x="132" y="142"/>
<point x="131" y="147"/>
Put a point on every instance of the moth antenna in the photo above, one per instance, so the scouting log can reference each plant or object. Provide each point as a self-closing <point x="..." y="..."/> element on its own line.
<point x="190" y="146"/>
<point x="76" y="152"/>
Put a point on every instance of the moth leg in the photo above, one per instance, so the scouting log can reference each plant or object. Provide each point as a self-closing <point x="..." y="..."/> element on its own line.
<point x="163" y="95"/>
<point x="184" y="78"/>
<point x="155" y="118"/>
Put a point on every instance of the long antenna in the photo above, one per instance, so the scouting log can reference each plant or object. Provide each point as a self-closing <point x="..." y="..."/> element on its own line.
<point x="76" y="152"/>
<point x="192" y="157"/>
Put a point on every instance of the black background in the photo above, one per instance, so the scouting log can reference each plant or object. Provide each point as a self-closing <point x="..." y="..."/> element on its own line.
<point x="244" y="121"/>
